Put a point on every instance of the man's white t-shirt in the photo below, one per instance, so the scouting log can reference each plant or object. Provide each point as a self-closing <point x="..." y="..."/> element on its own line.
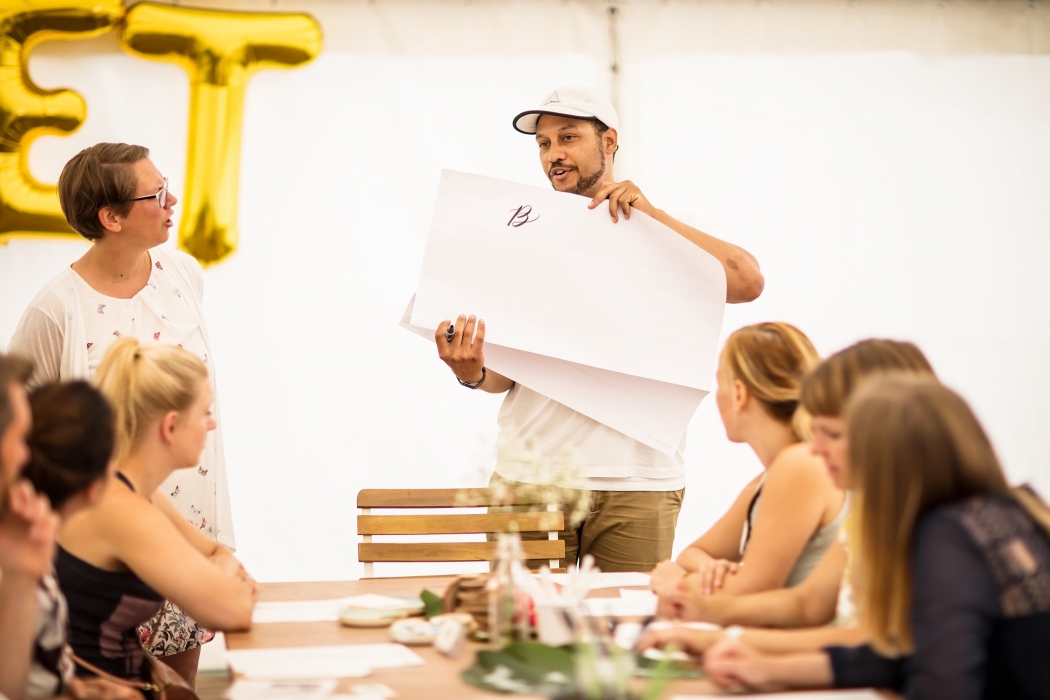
<point x="538" y="436"/>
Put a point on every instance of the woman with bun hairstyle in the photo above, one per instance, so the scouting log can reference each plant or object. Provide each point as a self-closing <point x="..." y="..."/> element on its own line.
<point x="952" y="571"/>
<point x="118" y="562"/>
<point x="70" y="446"/>
<point x="825" y="596"/>
<point x="785" y="519"/>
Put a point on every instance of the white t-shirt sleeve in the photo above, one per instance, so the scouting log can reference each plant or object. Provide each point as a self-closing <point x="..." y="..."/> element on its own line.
<point x="39" y="339"/>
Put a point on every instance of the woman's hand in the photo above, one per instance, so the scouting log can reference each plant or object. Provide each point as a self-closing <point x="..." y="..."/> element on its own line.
<point x="733" y="664"/>
<point x="665" y="576"/>
<point x="98" y="689"/>
<point x="27" y="534"/>
<point x="711" y="574"/>
<point x="692" y="641"/>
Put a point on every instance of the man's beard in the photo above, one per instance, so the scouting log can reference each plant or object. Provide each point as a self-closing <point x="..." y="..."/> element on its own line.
<point x="585" y="183"/>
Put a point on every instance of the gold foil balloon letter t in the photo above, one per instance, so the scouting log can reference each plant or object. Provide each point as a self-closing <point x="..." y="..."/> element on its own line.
<point x="219" y="51"/>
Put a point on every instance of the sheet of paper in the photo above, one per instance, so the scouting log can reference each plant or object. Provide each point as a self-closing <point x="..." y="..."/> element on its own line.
<point x="801" y="695"/>
<point x="297" y="611"/>
<point x="554" y="278"/>
<point x="611" y="579"/>
<point x="654" y="413"/>
<point x="280" y="690"/>
<point x="318" y="610"/>
<point x="620" y="607"/>
<point x="636" y="594"/>
<point x="350" y="661"/>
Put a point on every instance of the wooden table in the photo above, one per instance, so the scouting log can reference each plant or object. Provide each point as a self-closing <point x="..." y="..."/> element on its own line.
<point x="438" y="679"/>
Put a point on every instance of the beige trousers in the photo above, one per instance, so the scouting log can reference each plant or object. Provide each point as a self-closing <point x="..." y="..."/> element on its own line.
<point x="623" y="530"/>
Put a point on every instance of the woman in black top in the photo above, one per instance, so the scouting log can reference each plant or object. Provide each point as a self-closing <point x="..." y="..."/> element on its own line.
<point x="953" y="568"/>
<point x="70" y="446"/>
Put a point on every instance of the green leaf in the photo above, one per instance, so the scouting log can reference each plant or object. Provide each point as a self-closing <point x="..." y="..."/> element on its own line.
<point x="432" y="603"/>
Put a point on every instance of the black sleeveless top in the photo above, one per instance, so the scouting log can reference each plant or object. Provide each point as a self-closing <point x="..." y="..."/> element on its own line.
<point x="105" y="607"/>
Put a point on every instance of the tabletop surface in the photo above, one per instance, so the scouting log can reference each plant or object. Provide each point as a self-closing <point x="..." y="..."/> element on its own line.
<point x="438" y="678"/>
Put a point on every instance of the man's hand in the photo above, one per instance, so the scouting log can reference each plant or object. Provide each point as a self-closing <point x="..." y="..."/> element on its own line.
<point x="625" y="194"/>
<point x="464" y="354"/>
<point x="27" y="534"/>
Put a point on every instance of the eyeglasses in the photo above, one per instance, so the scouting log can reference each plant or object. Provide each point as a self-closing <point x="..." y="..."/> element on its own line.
<point x="162" y="196"/>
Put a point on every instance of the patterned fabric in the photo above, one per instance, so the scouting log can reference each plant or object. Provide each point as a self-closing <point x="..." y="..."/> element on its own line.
<point x="105" y="607"/>
<point x="178" y="632"/>
<point x="1017" y="551"/>
<point x="158" y="313"/>
<point x="52" y="664"/>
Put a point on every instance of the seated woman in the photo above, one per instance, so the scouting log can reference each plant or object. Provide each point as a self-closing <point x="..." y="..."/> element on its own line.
<point x="825" y="595"/>
<point x="953" y="569"/>
<point x="119" y="561"/>
<point x="70" y="446"/>
<point x="787" y="517"/>
<point x="27" y="532"/>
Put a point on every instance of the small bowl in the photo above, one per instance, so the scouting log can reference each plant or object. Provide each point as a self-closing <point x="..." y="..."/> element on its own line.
<point x="414" y="631"/>
<point x="370" y="617"/>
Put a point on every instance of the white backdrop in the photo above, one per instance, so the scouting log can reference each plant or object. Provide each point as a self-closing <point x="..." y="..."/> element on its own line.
<point x="885" y="192"/>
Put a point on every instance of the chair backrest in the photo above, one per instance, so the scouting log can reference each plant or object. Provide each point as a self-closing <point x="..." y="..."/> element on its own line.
<point x="550" y="521"/>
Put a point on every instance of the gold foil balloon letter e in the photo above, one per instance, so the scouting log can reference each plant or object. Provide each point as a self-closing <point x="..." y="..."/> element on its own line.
<point x="27" y="112"/>
<point x="219" y="51"/>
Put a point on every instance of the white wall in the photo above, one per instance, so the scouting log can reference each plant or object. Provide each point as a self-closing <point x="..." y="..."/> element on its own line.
<point x="885" y="192"/>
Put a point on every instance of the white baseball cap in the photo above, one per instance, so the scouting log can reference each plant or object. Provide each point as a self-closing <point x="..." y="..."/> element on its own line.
<point x="570" y="101"/>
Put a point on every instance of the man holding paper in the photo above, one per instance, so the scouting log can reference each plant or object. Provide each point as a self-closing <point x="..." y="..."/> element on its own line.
<point x="636" y="490"/>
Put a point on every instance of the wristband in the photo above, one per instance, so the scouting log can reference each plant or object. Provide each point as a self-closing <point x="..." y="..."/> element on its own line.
<point x="476" y="385"/>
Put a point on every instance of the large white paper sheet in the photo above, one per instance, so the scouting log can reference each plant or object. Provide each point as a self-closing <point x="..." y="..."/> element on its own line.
<point x="319" y="610"/>
<point x="801" y="695"/>
<point x="564" y="281"/>
<point x="606" y="579"/>
<point x="303" y="663"/>
<point x="656" y="414"/>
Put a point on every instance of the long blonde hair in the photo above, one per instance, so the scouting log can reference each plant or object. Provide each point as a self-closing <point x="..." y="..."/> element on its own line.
<point x="914" y="445"/>
<point x="143" y="382"/>
<point x="771" y="359"/>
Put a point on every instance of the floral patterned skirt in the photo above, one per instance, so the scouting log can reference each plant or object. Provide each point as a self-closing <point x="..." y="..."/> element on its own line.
<point x="177" y="632"/>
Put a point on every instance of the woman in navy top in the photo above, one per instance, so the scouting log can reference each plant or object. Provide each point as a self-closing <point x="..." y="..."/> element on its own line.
<point x="953" y="567"/>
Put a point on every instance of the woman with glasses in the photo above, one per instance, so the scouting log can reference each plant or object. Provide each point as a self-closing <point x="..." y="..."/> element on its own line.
<point x="129" y="285"/>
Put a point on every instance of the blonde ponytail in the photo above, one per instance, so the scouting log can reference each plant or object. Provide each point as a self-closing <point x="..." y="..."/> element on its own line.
<point x="143" y="382"/>
<point x="771" y="359"/>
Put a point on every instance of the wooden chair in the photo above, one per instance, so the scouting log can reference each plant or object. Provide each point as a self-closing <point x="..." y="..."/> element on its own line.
<point x="550" y="521"/>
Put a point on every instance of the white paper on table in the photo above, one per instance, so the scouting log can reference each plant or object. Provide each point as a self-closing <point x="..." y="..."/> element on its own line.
<point x="292" y="663"/>
<point x="280" y="690"/>
<point x="319" y="610"/>
<point x="654" y="413"/>
<point x="801" y="695"/>
<point x="297" y="611"/>
<point x="619" y="607"/>
<point x="637" y="595"/>
<point x="606" y="579"/>
<point x="632" y="297"/>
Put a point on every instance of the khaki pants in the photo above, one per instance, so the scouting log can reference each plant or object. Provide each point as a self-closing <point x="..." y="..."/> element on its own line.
<point x="623" y="530"/>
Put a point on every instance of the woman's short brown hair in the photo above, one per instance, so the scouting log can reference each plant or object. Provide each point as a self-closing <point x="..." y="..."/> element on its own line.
<point x="828" y="387"/>
<point x="99" y="176"/>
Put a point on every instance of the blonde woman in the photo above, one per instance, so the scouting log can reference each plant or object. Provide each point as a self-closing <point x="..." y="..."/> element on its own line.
<point x="953" y="569"/>
<point x="786" y="518"/>
<point x="825" y="596"/>
<point x="118" y="562"/>
<point x="129" y="285"/>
